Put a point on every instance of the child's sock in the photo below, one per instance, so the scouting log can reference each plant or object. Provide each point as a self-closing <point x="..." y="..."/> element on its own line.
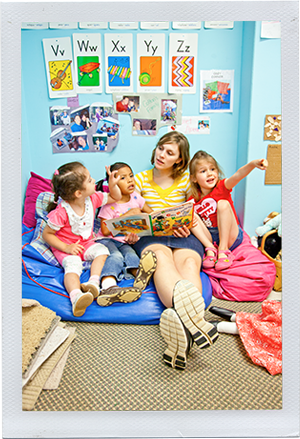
<point x="108" y="282"/>
<point x="73" y="294"/>
<point x="95" y="279"/>
<point x="227" y="327"/>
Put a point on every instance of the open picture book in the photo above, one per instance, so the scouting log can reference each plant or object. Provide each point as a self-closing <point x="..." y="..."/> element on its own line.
<point x="159" y="223"/>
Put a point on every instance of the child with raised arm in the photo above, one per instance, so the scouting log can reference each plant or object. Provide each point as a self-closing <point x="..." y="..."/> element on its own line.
<point x="69" y="230"/>
<point x="123" y="257"/>
<point x="213" y="203"/>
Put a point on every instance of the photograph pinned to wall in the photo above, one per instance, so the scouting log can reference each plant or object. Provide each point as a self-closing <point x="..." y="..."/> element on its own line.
<point x="108" y="126"/>
<point x="80" y="141"/>
<point x="183" y="50"/>
<point x="59" y="115"/>
<point x="272" y="127"/>
<point x="151" y="62"/>
<point x="192" y="125"/>
<point x="100" y="142"/>
<point x="80" y="119"/>
<point x="87" y="62"/>
<point x="216" y="91"/>
<point x="144" y="127"/>
<point x="127" y="103"/>
<point x="118" y="62"/>
<point x="59" y="67"/>
<point x="60" y="139"/>
<point x="168" y="111"/>
<point x="100" y="110"/>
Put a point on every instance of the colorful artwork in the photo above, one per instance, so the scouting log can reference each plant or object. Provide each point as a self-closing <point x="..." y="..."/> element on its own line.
<point x="88" y="71"/>
<point x="182" y="71"/>
<point x="150" y="68"/>
<point x="216" y="90"/>
<point x="61" y="75"/>
<point x="119" y="71"/>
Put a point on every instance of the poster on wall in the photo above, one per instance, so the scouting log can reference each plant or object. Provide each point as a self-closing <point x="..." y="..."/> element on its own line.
<point x="59" y="67"/>
<point x="151" y="63"/>
<point x="182" y="63"/>
<point x="87" y="63"/>
<point x="118" y="62"/>
<point x="89" y="128"/>
<point x="216" y="91"/>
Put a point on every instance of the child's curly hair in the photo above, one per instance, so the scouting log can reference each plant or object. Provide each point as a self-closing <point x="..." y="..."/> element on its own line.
<point x="198" y="157"/>
<point x="66" y="180"/>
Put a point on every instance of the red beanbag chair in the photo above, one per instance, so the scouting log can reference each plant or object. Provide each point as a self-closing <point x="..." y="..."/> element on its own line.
<point x="249" y="279"/>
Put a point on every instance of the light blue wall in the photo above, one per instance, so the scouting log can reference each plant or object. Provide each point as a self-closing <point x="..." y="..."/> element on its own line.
<point x="231" y="135"/>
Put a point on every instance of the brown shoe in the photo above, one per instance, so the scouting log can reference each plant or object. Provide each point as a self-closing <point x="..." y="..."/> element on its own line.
<point x="117" y="294"/>
<point x="147" y="267"/>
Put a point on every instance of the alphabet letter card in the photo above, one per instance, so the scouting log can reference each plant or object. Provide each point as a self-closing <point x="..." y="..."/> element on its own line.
<point x="151" y="63"/>
<point x="118" y="63"/>
<point x="59" y="68"/>
<point x="87" y="60"/>
<point x="182" y="63"/>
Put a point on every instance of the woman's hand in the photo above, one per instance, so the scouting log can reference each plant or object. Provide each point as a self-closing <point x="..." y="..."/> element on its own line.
<point x="183" y="232"/>
<point x="132" y="238"/>
<point x="74" y="249"/>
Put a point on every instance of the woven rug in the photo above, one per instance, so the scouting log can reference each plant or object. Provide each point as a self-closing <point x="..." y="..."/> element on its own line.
<point x="120" y="367"/>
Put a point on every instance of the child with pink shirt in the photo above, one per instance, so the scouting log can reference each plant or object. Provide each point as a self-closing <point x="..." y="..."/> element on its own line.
<point x="123" y="257"/>
<point x="69" y="230"/>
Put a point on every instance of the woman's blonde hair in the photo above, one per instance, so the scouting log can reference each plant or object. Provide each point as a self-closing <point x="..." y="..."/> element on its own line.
<point x="198" y="157"/>
<point x="184" y="151"/>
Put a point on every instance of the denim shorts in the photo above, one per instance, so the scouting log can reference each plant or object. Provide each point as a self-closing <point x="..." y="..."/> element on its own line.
<point x="214" y="231"/>
<point x="189" y="243"/>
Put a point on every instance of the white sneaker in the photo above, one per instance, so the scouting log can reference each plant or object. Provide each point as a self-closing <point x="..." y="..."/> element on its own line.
<point x="81" y="302"/>
<point x="92" y="287"/>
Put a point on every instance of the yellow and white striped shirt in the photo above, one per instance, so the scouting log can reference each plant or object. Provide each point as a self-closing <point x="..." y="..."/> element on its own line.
<point x="158" y="198"/>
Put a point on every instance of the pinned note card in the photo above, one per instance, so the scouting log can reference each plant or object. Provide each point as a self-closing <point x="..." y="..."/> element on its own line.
<point x="273" y="172"/>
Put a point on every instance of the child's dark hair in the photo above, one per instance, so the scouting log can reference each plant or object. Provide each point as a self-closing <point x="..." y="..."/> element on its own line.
<point x="199" y="156"/>
<point x="115" y="167"/>
<point x="66" y="180"/>
<point x="184" y="151"/>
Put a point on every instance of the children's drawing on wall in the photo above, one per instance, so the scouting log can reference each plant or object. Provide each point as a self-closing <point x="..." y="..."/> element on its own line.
<point x="87" y="59"/>
<point x="74" y="130"/>
<point x="144" y="127"/>
<point x="127" y="104"/>
<point x="192" y="125"/>
<point x="168" y="111"/>
<point x="216" y="90"/>
<point x="100" y="142"/>
<point x="59" y="68"/>
<point x="118" y="62"/>
<point x="182" y="62"/>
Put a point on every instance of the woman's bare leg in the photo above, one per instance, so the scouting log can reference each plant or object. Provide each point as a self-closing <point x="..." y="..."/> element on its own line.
<point x="188" y="265"/>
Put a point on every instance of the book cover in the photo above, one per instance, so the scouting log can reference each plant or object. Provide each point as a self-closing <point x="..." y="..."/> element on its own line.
<point x="159" y="223"/>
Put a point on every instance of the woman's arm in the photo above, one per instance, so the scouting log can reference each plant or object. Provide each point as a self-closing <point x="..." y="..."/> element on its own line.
<point x="49" y="235"/>
<point x="244" y="171"/>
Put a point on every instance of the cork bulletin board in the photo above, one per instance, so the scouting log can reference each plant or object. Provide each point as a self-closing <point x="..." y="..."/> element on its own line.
<point x="272" y="127"/>
<point x="273" y="172"/>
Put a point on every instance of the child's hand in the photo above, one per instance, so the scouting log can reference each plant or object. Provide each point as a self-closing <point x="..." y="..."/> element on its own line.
<point x="182" y="232"/>
<point x="74" y="249"/>
<point x="131" y="238"/>
<point x="261" y="164"/>
<point x="113" y="179"/>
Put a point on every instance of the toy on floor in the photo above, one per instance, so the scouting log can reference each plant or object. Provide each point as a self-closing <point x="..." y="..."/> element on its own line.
<point x="270" y="224"/>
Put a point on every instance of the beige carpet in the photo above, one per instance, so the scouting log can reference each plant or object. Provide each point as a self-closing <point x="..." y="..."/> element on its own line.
<point x="120" y="367"/>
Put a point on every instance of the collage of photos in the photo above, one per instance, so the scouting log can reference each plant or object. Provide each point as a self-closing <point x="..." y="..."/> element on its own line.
<point x="89" y="128"/>
<point x="148" y="114"/>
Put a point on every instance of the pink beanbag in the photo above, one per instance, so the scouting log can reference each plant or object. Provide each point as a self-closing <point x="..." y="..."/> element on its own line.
<point x="36" y="185"/>
<point x="250" y="278"/>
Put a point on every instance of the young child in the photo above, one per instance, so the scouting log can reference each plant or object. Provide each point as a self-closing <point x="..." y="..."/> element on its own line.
<point x="122" y="256"/>
<point x="213" y="203"/>
<point x="69" y="230"/>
